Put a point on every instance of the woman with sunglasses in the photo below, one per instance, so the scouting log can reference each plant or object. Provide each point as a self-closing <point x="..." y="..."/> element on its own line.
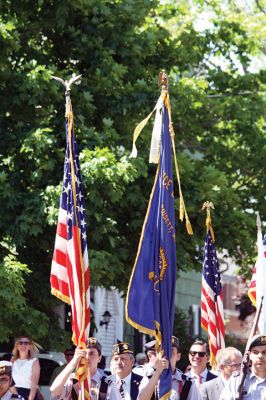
<point x="26" y="367"/>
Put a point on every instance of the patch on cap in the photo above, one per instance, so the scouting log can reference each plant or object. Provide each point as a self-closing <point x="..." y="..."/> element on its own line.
<point x="121" y="348"/>
<point x="93" y="343"/>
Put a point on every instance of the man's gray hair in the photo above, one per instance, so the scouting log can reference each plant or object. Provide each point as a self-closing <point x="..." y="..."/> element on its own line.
<point x="223" y="355"/>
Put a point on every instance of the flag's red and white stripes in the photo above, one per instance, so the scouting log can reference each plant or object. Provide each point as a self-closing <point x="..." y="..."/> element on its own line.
<point x="212" y="317"/>
<point x="70" y="275"/>
<point x="66" y="275"/>
<point x="212" y="313"/>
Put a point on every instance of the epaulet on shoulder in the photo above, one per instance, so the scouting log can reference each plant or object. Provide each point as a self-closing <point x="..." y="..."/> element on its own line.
<point x="185" y="377"/>
<point x="106" y="379"/>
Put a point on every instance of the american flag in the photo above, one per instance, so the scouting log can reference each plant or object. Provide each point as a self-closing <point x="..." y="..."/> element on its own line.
<point x="212" y="314"/>
<point x="70" y="275"/>
<point x="257" y="287"/>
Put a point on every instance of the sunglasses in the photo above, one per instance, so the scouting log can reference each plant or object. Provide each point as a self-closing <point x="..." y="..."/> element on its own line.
<point x="3" y="381"/>
<point x="199" y="353"/>
<point x="23" y="342"/>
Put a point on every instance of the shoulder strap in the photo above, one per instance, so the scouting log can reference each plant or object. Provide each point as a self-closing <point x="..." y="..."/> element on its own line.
<point x="74" y="395"/>
<point x="103" y="389"/>
<point x="186" y="388"/>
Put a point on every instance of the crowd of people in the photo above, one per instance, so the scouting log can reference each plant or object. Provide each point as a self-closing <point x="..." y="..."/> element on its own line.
<point x="130" y="381"/>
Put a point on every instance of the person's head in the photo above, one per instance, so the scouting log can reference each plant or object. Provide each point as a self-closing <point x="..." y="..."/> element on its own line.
<point x="5" y="376"/>
<point x="176" y="354"/>
<point x="122" y="359"/>
<point x="199" y="356"/>
<point x="24" y="347"/>
<point x="151" y="352"/>
<point x="94" y="353"/>
<point x="69" y="353"/>
<point x="258" y="355"/>
<point x="141" y="359"/>
<point x="228" y="360"/>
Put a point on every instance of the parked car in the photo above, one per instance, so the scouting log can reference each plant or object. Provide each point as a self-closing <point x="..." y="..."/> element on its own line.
<point x="49" y="360"/>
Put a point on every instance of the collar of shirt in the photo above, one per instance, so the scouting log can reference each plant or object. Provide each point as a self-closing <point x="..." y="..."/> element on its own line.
<point x="203" y="374"/>
<point x="256" y="377"/>
<point x="97" y="376"/>
<point x="177" y="375"/>
<point x="7" y="395"/>
<point x="127" y="380"/>
<point x="223" y="379"/>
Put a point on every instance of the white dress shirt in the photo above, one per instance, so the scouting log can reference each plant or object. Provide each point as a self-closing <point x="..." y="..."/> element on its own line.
<point x="195" y="377"/>
<point x="126" y="385"/>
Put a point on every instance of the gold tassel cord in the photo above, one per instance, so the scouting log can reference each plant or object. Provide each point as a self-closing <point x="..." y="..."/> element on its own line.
<point x="182" y="208"/>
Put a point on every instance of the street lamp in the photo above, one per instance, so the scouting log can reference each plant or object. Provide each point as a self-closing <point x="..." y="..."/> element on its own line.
<point x="106" y="317"/>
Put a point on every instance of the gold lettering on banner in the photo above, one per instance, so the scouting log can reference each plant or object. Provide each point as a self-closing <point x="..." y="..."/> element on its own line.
<point x="166" y="181"/>
<point x="162" y="267"/>
<point x="167" y="221"/>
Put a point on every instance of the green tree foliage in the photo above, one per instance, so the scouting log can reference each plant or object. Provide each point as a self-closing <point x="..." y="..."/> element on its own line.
<point x="119" y="47"/>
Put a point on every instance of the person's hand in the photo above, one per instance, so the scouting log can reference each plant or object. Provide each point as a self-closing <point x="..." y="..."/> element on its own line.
<point x="79" y="353"/>
<point x="161" y="364"/>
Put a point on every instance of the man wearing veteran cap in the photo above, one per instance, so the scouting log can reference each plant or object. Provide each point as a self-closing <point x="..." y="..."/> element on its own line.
<point x="183" y="388"/>
<point x="123" y="384"/>
<point x="6" y="381"/>
<point x="255" y="381"/>
<point x="65" y="385"/>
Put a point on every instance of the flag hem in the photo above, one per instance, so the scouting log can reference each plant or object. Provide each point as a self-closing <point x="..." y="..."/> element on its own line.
<point x="60" y="296"/>
<point x="129" y="320"/>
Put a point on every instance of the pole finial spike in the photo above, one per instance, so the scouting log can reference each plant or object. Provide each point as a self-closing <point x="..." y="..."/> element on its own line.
<point x="163" y="80"/>
<point x="208" y="205"/>
<point x="258" y="221"/>
<point x="67" y="84"/>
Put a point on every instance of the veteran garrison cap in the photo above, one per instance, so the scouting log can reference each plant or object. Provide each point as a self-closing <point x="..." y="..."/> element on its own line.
<point x="5" y="367"/>
<point x="93" y="343"/>
<point x="257" y="340"/>
<point x="175" y="342"/>
<point x="150" y="345"/>
<point x="122" y="348"/>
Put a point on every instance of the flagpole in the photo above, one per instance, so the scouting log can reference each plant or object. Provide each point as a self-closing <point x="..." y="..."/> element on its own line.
<point x="68" y="113"/>
<point x="258" y="221"/>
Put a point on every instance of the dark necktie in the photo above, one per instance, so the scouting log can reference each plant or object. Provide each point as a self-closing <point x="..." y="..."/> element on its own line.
<point x="121" y="389"/>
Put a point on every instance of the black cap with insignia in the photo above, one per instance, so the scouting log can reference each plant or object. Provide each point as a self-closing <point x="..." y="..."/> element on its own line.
<point x="93" y="343"/>
<point x="122" y="348"/>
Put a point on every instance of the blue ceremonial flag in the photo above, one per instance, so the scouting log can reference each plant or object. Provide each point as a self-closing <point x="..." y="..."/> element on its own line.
<point x="151" y="292"/>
